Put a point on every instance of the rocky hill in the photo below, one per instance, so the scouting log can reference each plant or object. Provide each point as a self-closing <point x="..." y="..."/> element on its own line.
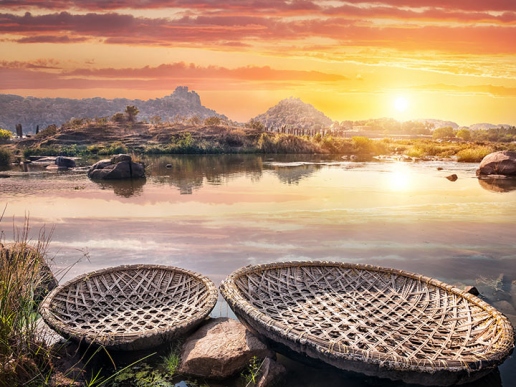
<point x="31" y="112"/>
<point x="293" y="113"/>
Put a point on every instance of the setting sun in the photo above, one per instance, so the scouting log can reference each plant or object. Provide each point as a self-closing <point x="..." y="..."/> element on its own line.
<point x="401" y="104"/>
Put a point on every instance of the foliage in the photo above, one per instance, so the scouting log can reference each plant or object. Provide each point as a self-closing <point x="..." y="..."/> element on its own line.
<point x="474" y="154"/>
<point x="212" y="121"/>
<point x="5" y="157"/>
<point x="5" y="135"/>
<point x="464" y="134"/>
<point x="194" y="120"/>
<point x="113" y="149"/>
<point x="285" y="143"/>
<point x="363" y="145"/>
<point x="256" y="125"/>
<point x="24" y="357"/>
<point x="445" y="132"/>
<point x="49" y="131"/>
<point x="250" y="374"/>
<point x="131" y="112"/>
<point x="118" y="117"/>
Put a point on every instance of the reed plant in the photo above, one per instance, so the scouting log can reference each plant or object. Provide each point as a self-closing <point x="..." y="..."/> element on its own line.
<point x="24" y="357"/>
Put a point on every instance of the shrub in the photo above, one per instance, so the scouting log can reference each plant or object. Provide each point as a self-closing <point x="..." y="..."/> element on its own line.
<point x="115" y="148"/>
<point x="49" y="131"/>
<point x="5" y="135"/>
<point x="212" y="121"/>
<point x="285" y="143"/>
<point x="5" y="157"/>
<point x="363" y="145"/>
<point x="473" y="155"/>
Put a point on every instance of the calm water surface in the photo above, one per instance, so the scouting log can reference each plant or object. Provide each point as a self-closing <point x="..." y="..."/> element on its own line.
<point x="214" y="214"/>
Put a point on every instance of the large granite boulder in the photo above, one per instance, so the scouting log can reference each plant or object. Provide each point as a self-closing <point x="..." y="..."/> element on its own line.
<point x="219" y="349"/>
<point x="118" y="167"/>
<point x="501" y="163"/>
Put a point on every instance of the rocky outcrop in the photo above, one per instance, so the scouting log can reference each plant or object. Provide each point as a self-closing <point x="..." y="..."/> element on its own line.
<point x="219" y="349"/>
<point x="118" y="167"/>
<point x="501" y="164"/>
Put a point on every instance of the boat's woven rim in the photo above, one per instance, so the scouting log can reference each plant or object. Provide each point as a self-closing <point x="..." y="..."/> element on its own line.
<point x="124" y="338"/>
<point x="240" y="305"/>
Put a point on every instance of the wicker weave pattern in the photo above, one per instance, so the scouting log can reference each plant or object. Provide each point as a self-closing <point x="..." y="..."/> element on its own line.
<point x="371" y="314"/>
<point x="127" y="303"/>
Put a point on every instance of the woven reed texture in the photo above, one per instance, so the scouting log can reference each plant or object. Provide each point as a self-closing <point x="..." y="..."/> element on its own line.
<point x="360" y="312"/>
<point x="130" y="307"/>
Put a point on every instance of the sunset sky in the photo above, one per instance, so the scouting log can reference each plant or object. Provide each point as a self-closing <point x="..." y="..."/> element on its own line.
<point x="453" y="60"/>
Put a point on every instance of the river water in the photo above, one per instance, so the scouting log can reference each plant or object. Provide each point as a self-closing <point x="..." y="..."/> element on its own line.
<point x="214" y="214"/>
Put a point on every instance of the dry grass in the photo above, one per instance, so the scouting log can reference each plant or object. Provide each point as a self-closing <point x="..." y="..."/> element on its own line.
<point x="24" y="357"/>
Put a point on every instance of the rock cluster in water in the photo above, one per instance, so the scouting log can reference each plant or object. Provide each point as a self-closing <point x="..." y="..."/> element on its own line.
<point x="118" y="167"/>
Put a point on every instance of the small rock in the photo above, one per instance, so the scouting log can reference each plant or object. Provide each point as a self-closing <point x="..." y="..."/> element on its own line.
<point x="453" y="177"/>
<point x="219" y="349"/>
<point x="271" y="373"/>
<point x="472" y="290"/>
<point x="439" y="168"/>
<point x="169" y="165"/>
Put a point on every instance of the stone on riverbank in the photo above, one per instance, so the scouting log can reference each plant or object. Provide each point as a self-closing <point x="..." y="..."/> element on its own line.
<point x="501" y="163"/>
<point x="219" y="349"/>
<point x="271" y="373"/>
<point x="118" y="167"/>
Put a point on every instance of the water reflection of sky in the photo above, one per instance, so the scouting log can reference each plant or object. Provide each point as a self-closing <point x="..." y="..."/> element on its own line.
<point x="248" y="210"/>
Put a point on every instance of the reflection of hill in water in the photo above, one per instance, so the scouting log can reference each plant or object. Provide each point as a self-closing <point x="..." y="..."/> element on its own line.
<point x="498" y="185"/>
<point x="187" y="172"/>
<point x="125" y="188"/>
<point x="293" y="173"/>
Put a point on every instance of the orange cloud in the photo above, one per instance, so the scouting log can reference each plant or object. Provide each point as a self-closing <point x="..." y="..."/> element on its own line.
<point x="22" y="75"/>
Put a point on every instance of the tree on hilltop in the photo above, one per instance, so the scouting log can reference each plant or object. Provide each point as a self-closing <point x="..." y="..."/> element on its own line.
<point x="131" y="112"/>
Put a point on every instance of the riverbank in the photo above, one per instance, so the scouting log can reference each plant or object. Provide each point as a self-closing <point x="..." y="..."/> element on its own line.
<point x="97" y="138"/>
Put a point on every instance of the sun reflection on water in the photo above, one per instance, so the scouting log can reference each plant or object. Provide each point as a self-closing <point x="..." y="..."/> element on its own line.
<point x="399" y="178"/>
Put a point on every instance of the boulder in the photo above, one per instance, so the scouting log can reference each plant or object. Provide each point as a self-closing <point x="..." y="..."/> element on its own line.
<point x="219" y="349"/>
<point x="65" y="162"/>
<point x="118" y="167"/>
<point x="453" y="177"/>
<point x="498" y="163"/>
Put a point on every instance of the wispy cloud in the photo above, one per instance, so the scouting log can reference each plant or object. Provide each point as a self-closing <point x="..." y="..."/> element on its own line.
<point x="20" y="75"/>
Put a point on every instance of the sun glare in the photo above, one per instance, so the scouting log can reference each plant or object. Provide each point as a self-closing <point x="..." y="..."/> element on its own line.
<point x="401" y="104"/>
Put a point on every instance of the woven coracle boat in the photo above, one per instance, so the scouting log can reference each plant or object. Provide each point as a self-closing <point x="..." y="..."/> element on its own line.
<point x="130" y="307"/>
<point x="376" y="321"/>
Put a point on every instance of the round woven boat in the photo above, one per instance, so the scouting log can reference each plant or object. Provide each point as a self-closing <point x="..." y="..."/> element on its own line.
<point x="377" y="321"/>
<point x="130" y="307"/>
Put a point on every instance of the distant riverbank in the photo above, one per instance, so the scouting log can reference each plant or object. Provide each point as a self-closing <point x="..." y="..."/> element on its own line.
<point x="98" y="138"/>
